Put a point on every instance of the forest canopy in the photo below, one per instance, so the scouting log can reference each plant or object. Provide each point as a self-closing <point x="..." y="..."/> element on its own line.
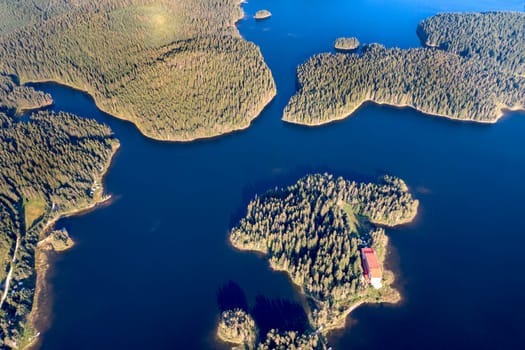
<point x="496" y="38"/>
<point x="346" y="44"/>
<point x="15" y="14"/>
<point x="313" y="230"/>
<point x="472" y="71"/>
<point x="50" y="165"/>
<point x="177" y="69"/>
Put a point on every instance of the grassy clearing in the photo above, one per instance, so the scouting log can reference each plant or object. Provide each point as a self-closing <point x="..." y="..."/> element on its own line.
<point x="34" y="208"/>
<point x="353" y="220"/>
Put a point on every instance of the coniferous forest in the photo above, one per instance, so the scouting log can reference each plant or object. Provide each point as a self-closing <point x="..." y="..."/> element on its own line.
<point x="495" y="38"/>
<point x="179" y="70"/>
<point x="52" y="164"/>
<point x="313" y="230"/>
<point x="471" y="70"/>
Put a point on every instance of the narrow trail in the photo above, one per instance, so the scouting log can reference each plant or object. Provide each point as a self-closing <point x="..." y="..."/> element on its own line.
<point x="10" y="273"/>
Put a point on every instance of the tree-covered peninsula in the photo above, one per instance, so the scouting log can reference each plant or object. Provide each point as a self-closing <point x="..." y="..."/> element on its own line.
<point x="314" y="229"/>
<point x="15" y="98"/>
<point x="457" y="79"/>
<point x="177" y="69"/>
<point x="51" y="165"/>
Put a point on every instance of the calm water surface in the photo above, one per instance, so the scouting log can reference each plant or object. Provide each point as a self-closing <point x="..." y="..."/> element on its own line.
<point x="146" y="269"/>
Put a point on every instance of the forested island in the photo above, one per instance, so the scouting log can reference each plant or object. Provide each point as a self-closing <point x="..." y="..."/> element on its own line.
<point x="51" y="165"/>
<point x="314" y="230"/>
<point x="471" y="70"/>
<point x="262" y="14"/>
<point x="177" y="69"/>
<point x="237" y="327"/>
<point x="346" y="44"/>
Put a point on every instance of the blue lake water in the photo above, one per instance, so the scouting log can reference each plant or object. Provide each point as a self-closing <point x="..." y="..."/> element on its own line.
<point x="147" y="268"/>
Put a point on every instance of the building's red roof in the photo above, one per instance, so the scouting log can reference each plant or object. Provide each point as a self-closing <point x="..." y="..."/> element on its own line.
<point x="371" y="259"/>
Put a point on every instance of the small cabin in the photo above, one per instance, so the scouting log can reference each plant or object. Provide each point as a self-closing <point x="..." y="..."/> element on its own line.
<point x="371" y="267"/>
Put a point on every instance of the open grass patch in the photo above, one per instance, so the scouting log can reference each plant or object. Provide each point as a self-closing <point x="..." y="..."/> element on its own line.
<point x="34" y="208"/>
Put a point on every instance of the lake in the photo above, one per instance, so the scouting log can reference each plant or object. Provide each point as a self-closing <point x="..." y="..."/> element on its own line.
<point x="147" y="268"/>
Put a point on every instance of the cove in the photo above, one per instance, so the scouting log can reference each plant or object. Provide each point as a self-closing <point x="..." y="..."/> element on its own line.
<point x="147" y="268"/>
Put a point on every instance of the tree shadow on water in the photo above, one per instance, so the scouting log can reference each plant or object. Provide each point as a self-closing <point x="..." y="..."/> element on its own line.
<point x="231" y="296"/>
<point x="281" y="314"/>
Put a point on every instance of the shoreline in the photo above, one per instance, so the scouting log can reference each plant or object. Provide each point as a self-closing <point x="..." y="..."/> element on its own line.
<point x="402" y="222"/>
<point x="503" y="110"/>
<point x="388" y="294"/>
<point x="266" y="99"/>
<point x="40" y="315"/>
<point x="219" y="337"/>
<point x="28" y="109"/>
<point x="196" y="137"/>
<point x="393" y="297"/>
<point x="339" y="322"/>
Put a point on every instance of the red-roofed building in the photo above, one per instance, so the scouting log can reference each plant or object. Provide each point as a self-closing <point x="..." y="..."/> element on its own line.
<point x="371" y="267"/>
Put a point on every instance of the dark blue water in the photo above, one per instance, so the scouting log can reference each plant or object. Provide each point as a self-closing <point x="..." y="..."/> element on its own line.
<point x="146" y="269"/>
